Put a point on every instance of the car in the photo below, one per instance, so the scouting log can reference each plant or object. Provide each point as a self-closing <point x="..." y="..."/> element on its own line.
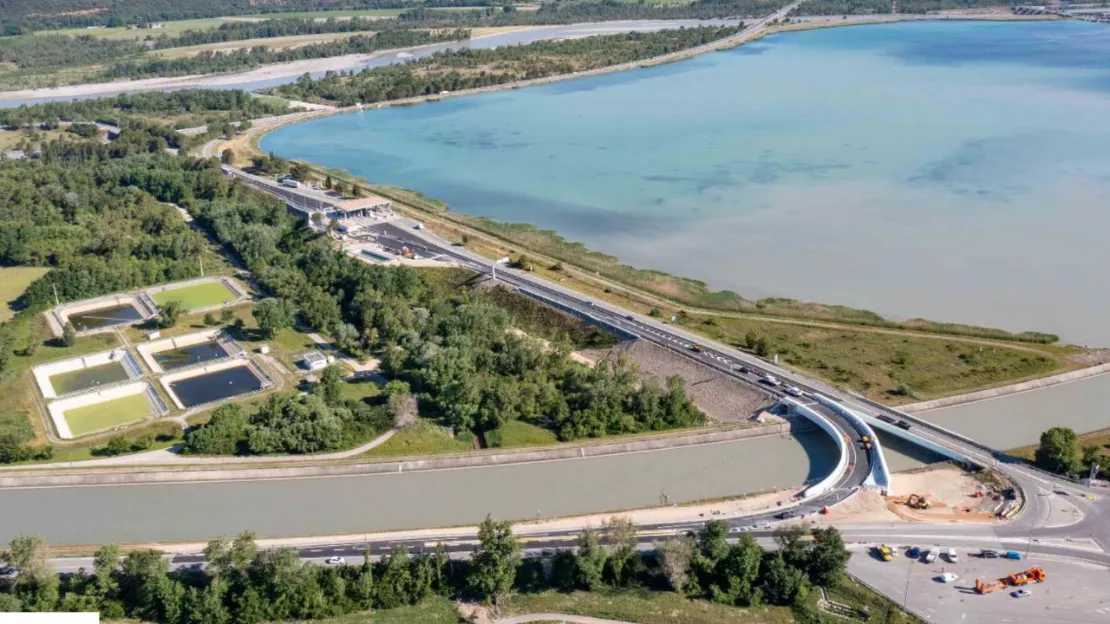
<point x="336" y="560"/>
<point x="695" y="348"/>
<point x="948" y="577"/>
<point x="745" y="370"/>
<point x="885" y="553"/>
<point x="630" y="317"/>
<point x="794" y="391"/>
<point x="770" y="379"/>
<point x="988" y="554"/>
<point x="1022" y="593"/>
<point x="914" y="552"/>
<point x="931" y="555"/>
<point x="1012" y="554"/>
<point x="953" y="557"/>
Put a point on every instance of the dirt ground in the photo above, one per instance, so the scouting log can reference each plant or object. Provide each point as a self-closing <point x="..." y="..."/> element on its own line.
<point x="950" y="491"/>
<point x="722" y="398"/>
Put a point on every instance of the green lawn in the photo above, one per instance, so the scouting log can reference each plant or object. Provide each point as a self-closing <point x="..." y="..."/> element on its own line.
<point x="327" y="14"/>
<point x="106" y="415"/>
<point x="197" y="296"/>
<point x="642" y="606"/>
<point x="516" y="433"/>
<point x="361" y="389"/>
<point x="422" y="438"/>
<point x="13" y="281"/>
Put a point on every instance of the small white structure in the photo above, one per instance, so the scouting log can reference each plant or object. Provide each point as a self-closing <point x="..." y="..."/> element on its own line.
<point x="264" y="349"/>
<point x="314" y="361"/>
<point x="154" y="335"/>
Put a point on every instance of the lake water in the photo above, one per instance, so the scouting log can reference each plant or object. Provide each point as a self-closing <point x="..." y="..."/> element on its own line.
<point x="951" y="170"/>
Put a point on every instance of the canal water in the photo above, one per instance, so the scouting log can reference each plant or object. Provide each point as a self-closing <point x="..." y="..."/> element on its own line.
<point x="950" y="170"/>
<point x="216" y="386"/>
<point x="189" y="356"/>
<point x="410" y="500"/>
<point x="75" y="381"/>
<point x="105" y="317"/>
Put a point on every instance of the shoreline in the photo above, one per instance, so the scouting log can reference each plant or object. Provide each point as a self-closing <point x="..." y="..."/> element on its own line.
<point x="351" y="61"/>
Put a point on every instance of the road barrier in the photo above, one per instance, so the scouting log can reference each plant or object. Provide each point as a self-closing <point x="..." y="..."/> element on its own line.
<point x="826" y="484"/>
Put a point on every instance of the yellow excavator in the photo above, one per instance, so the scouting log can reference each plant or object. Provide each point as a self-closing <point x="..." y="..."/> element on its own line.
<point x="916" y="501"/>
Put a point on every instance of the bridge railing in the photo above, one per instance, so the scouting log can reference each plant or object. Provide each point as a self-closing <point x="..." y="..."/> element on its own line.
<point x="880" y="472"/>
<point x="826" y="484"/>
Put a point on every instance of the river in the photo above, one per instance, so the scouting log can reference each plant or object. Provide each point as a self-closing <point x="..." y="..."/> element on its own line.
<point x="949" y="170"/>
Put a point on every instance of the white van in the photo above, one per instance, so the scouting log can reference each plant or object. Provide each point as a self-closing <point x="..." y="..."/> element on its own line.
<point x="952" y="556"/>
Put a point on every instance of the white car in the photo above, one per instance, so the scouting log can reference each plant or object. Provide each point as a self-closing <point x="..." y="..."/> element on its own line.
<point x="770" y="379"/>
<point x="1022" y="593"/>
<point x="335" y="561"/>
<point x="931" y="555"/>
<point x="953" y="557"/>
<point x="794" y="391"/>
<point x="948" y="577"/>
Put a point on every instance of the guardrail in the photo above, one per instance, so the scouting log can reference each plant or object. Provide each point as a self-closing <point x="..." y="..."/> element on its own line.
<point x="826" y="484"/>
<point x="880" y="472"/>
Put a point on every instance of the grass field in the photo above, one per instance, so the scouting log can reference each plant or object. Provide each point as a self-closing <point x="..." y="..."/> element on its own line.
<point x="106" y="415"/>
<point x="327" y="14"/>
<point x="516" y="434"/>
<point x="197" y="296"/>
<point x="13" y="281"/>
<point x="422" y="438"/>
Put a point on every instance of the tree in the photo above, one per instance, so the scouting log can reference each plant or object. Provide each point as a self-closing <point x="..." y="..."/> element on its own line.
<point x="675" y="557"/>
<point x="69" y="335"/>
<point x="356" y="191"/>
<point x="169" y="312"/>
<point x="564" y="570"/>
<point x="105" y="563"/>
<point x="227" y="316"/>
<point x="591" y="561"/>
<point x="782" y="584"/>
<point x="1057" y="451"/>
<point x="624" y="557"/>
<point x="210" y="319"/>
<point x="227" y="156"/>
<point x="495" y="561"/>
<point x="655" y="313"/>
<point x="273" y="315"/>
<point x="1092" y="455"/>
<point x="330" y="386"/>
<point x="328" y="183"/>
<point x="828" y="557"/>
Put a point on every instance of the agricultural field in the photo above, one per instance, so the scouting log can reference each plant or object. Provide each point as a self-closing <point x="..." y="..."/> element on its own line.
<point x="13" y="281"/>
<point x="198" y="296"/>
<point x="322" y="15"/>
<point x="170" y="29"/>
<point x="106" y="415"/>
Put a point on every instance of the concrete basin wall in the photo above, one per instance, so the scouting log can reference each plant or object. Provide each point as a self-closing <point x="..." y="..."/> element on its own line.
<point x="44" y="372"/>
<point x="148" y="349"/>
<point x="58" y="408"/>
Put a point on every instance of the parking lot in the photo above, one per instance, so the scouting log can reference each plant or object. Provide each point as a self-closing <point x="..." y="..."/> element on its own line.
<point x="1073" y="592"/>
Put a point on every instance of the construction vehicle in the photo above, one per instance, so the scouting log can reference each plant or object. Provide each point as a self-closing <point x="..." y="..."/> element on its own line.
<point x="916" y="501"/>
<point x="1032" y="575"/>
<point x="695" y="348"/>
<point x="865" y="439"/>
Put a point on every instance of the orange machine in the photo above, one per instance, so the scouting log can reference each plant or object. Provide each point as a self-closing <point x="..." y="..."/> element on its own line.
<point x="1032" y="575"/>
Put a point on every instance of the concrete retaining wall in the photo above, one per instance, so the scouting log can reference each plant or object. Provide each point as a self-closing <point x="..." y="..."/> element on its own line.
<point x="44" y="372"/>
<point x="880" y="472"/>
<point x="826" y="484"/>
<point x="994" y="393"/>
<point x="58" y="408"/>
<point x="147" y="350"/>
<point x="212" y="367"/>
<point x="177" y="474"/>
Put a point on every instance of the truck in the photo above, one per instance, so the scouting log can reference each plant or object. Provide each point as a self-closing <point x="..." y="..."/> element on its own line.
<point x="1032" y="575"/>
<point x="289" y="182"/>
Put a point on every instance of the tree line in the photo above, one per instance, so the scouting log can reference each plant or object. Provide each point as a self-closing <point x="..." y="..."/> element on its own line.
<point x="25" y="16"/>
<point x="46" y="51"/>
<point x="239" y="31"/>
<point x="454" y="70"/>
<point x="1060" y="452"/>
<point x="866" y="7"/>
<point x="245" y="584"/>
<point x="216" y="62"/>
<point x="200" y="105"/>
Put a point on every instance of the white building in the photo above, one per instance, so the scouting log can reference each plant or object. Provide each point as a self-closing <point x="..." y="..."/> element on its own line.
<point x="314" y="361"/>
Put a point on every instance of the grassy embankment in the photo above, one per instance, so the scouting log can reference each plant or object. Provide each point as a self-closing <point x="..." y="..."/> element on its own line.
<point x="887" y="361"/>
<point x="197" y="296"/>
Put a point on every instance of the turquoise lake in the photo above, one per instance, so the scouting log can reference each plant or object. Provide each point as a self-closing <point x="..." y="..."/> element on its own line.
<point x="951" y="170"/>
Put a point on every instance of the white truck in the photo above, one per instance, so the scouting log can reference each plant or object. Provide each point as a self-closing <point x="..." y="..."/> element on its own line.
<point x="290" y="182"/>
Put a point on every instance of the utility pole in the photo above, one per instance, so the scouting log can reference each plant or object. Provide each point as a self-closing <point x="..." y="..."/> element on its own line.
<point x="56" y="302"/>
<point x="201" y="259"/>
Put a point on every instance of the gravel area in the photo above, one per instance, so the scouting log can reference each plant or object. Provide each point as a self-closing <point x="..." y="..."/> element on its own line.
<point x="722" y="398"/>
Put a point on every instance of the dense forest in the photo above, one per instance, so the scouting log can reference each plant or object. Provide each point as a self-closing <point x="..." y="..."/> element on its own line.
<point x="455" y="70"/>
<point x="189" y="108"/>
<point x="48" y="51"/>
<point x="215" y="62"/>
<point x="245" y="584"/>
